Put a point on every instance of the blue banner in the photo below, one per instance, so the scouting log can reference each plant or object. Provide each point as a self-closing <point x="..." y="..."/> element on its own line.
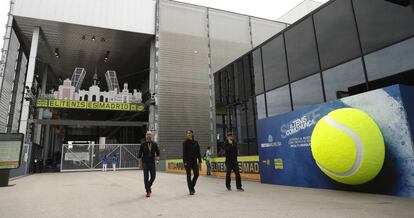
<point x="285" y="156"/>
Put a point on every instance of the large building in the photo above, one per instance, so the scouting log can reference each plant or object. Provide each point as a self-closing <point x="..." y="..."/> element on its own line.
<point x="343" y="48"/>
<point x="165" y="49"/>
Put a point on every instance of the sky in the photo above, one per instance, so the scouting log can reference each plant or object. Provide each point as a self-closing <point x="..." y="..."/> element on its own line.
<point x="270" y="9"/>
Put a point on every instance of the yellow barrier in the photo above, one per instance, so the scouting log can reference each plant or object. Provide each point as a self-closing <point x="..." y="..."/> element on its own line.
<point x="248" y="166"/>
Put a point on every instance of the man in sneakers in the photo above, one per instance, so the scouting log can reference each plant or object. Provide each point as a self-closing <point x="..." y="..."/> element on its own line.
<point x="149" y="153"/>
<point x="231" y="162"/>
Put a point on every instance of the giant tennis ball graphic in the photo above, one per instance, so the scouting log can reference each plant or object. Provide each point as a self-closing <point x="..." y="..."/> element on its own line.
<point x="348" y="146"/>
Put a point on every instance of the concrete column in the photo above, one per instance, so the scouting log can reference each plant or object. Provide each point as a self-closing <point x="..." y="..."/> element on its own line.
<point x="44" y="80"/>
<point x="46" y="143"/>
<point x="29" y="80"/>
<point x="151" y="119"/>
<point x="38" y="130"/>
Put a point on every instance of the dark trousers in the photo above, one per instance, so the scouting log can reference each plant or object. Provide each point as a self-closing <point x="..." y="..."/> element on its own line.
<point x="235" y="167"/>
<point x="191" y="182"/>
<point x="149" y="169"/>
<point x="208" y="164"/>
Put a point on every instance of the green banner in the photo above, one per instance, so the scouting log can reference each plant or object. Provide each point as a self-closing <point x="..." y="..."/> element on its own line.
<point x="89" y="105"/>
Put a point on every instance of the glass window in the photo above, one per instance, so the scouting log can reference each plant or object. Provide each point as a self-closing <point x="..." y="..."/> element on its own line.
<point x="274" y="63"/>
<point x="247" y="76"/>
<point x="224" y="87"/>
<point x="227" y="85"/>
<point x="301" y="50"/>
<point x="391" y="60"/>
<point x="381" y="23"/>
<point x="307" y="92"/>
<point x="260" y="106"/>
<point x="217" y="90"/>
<point x="336" y="33"/>
<point x="257" y="72"/>
<point x="239" y="81"/>
<point x="242" y="134"/>
<point x="231" y="84"/>
<point x="278" y="101"/>
<point x="337" y="80"/>
<point x="251" y="127"/>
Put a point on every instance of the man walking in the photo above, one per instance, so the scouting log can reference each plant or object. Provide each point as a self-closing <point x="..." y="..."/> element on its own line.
<point x="149" y="153"/>
<point x="191" y="159"/>
<point x="231" y="162"/>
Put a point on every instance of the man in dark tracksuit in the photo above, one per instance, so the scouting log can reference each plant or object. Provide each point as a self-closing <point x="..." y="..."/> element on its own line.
<point x="191" y="153"/>
<point x="231" y="162"/>
<point x="148" y="154"/>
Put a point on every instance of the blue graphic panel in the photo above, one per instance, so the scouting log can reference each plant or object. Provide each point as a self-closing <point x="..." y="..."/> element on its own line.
<point x="285" y="156"/>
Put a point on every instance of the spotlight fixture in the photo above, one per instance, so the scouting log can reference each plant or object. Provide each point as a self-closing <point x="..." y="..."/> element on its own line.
<point x="106" y="56"/>
<point x="93" y="38"/>
<point x="83" y="37"/>
<point x="56" y="52"/>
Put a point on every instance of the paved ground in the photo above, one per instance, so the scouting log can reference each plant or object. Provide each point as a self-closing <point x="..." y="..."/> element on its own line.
<point x="121" y="194"/>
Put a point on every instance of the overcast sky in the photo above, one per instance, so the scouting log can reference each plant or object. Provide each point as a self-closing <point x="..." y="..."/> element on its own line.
<point x="270" y="9"/>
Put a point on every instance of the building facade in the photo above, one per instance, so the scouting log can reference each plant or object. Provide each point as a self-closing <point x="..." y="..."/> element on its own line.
<point x="166" y="49"/>
<point x="343" y="48"/>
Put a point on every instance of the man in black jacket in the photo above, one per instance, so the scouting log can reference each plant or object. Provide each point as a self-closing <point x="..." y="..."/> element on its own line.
<point x="149" y="153"/>
<point x="231" y="162"/>
<point x="191" y="153"/>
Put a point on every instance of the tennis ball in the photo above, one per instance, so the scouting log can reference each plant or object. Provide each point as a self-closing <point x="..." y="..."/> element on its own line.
<point x="348" y="146"/>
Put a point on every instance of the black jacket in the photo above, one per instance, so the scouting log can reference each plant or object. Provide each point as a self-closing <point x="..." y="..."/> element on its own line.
<point x="191" y="152"/>
<point x="147" y="155"/>
<point x="231" y="152"/>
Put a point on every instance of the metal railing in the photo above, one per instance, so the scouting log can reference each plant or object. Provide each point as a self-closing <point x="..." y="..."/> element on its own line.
<point x="87" y="157"/>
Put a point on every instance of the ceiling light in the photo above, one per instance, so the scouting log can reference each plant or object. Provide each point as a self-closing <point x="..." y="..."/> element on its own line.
<point x="106" y="56"/>
<point x="56" y="52"/>
<point x="83" y="37"/>
<point x="93" y="38"/>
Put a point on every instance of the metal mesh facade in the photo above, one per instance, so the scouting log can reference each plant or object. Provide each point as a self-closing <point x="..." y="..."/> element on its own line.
<point x="183" y="93"/>
<point x="8" y="81"/>
<point x="195" y="41"/>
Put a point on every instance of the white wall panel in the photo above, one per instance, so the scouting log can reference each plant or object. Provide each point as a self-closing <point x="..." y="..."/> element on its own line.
<point x="128" y="15"/>
<point x="299" y="11"/>
<point x="264" y="29"/>
<point x="229" y="37"/>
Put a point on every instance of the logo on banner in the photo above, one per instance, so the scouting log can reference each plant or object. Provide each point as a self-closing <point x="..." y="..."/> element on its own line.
<point x="270" y="142"/>
<point x="278" y="163"/>
<point x="270" y="138"/>
<point x="299" y="124"/>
